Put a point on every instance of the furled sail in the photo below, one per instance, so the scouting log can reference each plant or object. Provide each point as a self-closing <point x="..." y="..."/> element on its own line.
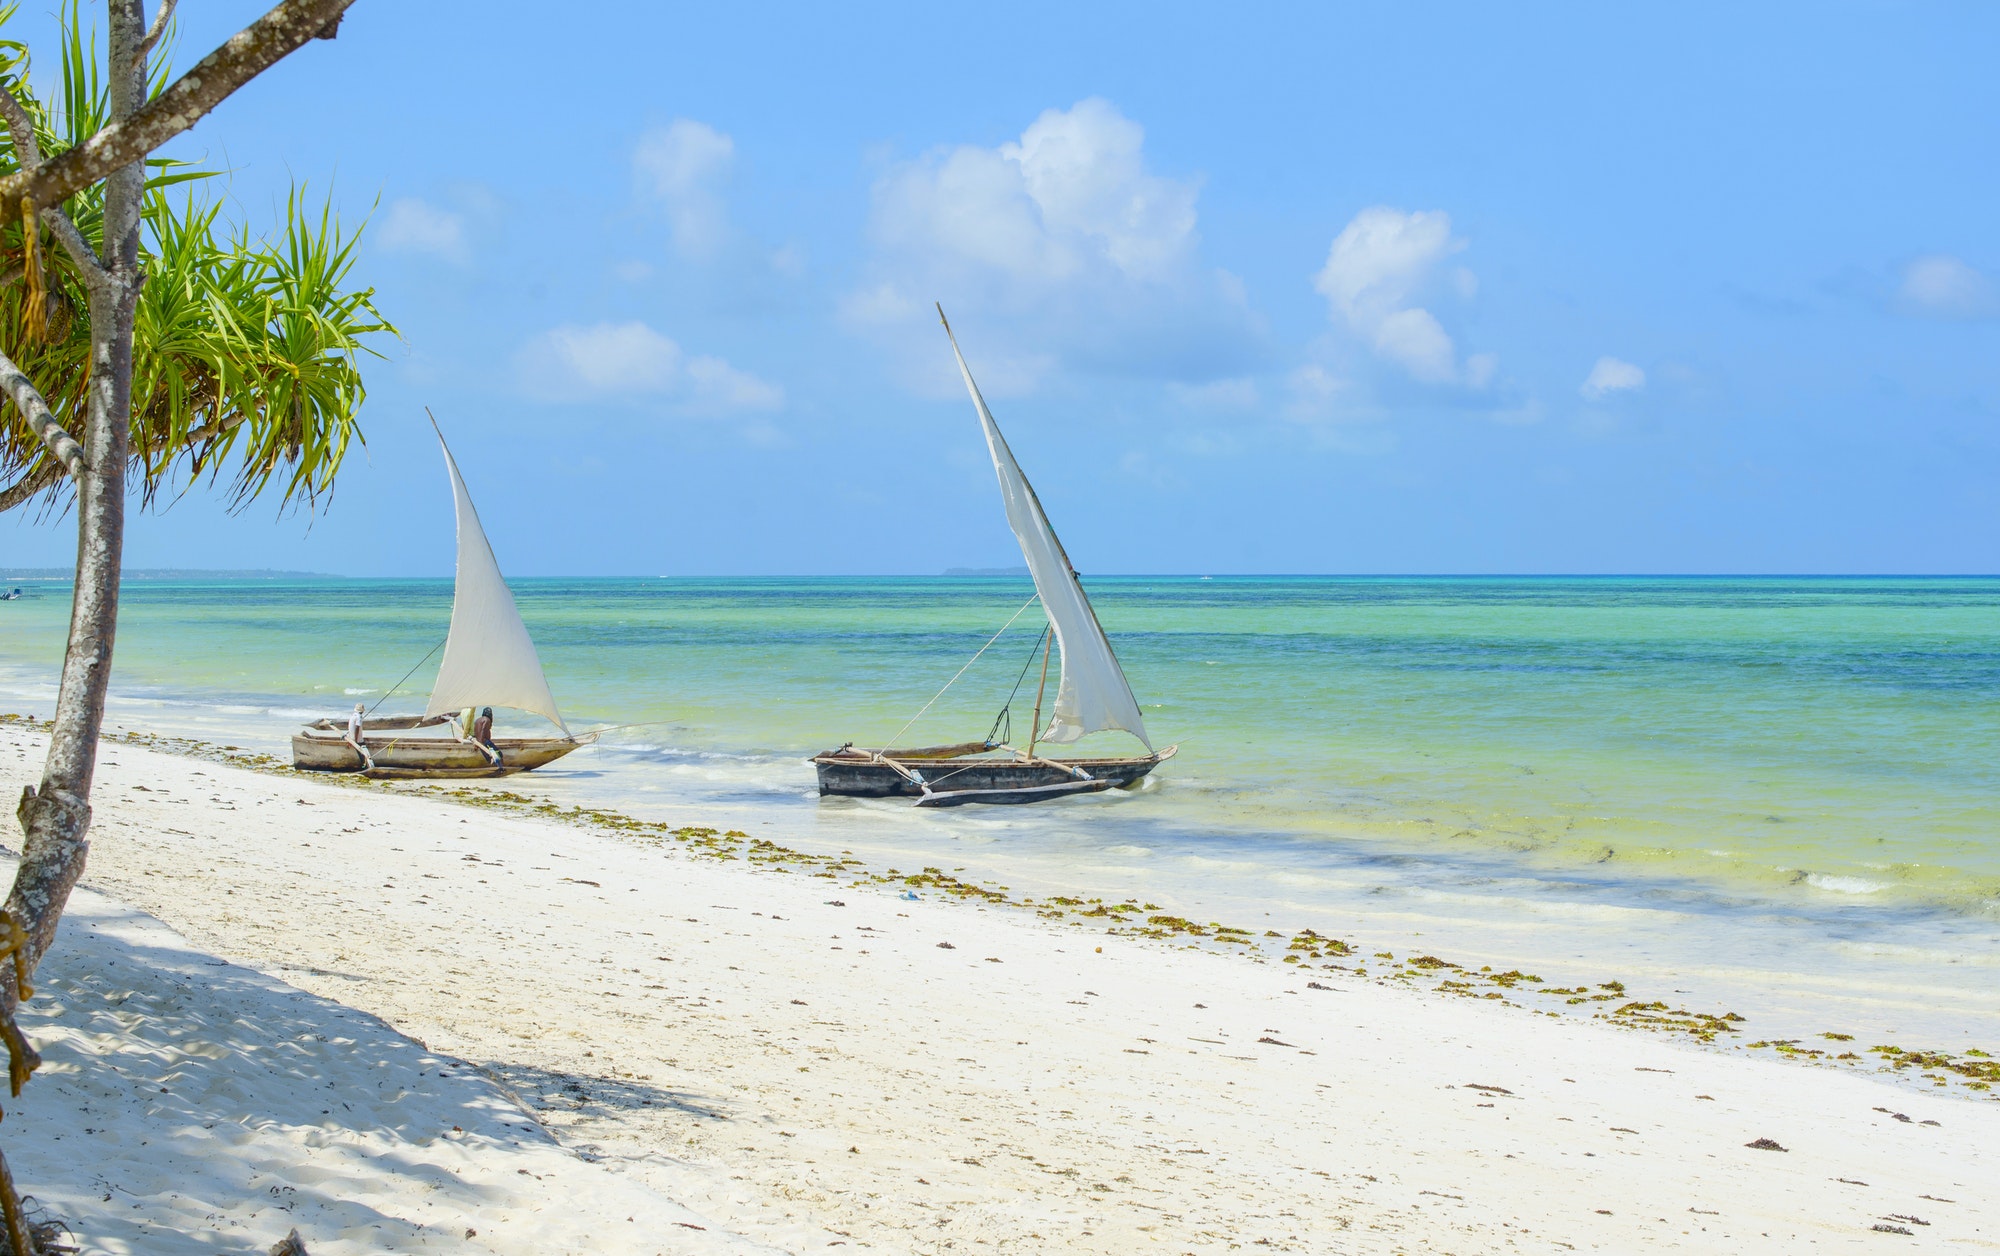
<point x="1094" y="694"/>
<point x="488" y="658"/>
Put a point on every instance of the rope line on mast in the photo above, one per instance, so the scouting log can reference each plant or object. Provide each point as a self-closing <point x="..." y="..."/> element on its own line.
<point x="1007" y="706"/>
<point x="968" y="664"/>
<point x="406" y="675"/>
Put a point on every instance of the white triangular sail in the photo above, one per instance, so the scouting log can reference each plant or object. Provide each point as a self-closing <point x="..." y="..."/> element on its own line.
<point x="488" y="658"/>
<point x="1094" y="694"/>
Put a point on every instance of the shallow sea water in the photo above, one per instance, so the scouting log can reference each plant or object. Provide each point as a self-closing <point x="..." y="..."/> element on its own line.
<point x="1776" y="790"/>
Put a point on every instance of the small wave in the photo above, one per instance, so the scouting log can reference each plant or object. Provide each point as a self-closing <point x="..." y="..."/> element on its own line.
<point x="1844" y="885"/>
<point x="352" y="692"/>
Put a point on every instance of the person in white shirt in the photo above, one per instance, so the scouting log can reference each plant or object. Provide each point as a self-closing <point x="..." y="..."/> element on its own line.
<point x="354" y="728"/>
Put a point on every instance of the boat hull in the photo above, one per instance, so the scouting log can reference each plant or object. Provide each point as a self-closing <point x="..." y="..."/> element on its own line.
<point x="427" y="757"/>
<point x="851" y="773"/>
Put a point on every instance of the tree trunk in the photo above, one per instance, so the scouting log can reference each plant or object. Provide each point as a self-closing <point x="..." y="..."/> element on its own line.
<point x="55" y="818"/>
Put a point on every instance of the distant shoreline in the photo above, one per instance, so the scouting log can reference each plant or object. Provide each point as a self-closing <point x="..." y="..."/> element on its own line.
<point x="198" y="573"/>
<point x="166" y="573"/>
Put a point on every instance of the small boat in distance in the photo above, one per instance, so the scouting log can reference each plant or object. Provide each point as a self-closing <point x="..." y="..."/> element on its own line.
<point x="1092" y="694"/>
<point x="489" y="660"/>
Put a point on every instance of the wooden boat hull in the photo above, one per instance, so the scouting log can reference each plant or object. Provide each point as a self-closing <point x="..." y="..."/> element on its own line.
<point x="851" y="773"/>
<point x="427" y="757"/>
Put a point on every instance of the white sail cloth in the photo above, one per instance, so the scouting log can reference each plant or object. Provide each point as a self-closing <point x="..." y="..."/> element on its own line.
<point x="488" y="658"/>
<point x="1094" y="694"/>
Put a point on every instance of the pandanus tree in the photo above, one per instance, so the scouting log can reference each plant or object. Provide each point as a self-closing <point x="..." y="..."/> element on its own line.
<point x="145" y="348"/>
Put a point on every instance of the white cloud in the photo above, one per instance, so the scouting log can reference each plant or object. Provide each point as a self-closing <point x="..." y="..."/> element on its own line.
<point x="1316" y="394"/>
<point x="631" y="361"/>
<point x="1415" y="341"/>
<point x="1070" y="195"/>
<point x="1612" y="376"/>
<point x="1480" y="369"/>
<point x="614" y="358"/>
<point x="1381" y="266"/>
<point x="1942" y="286"/>
<point x="414" y="226"/>
<point x="789" y="260"/>
<point x="1061" y="245"/>
<point x="715" y="385"/>
<point x="1085" y="174"/>
<point x="1219" y="394"/>
<point x="685" y="166"/>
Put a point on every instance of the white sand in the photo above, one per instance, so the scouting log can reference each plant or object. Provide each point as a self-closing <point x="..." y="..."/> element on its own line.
<point x="807" y="1075"/>
<point x="188" y="1105"/>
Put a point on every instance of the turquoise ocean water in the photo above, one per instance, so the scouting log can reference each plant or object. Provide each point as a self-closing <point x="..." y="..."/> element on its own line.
<point x="1773" y="787"/>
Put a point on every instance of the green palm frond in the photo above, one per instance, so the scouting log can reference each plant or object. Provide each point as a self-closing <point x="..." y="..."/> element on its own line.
<point x="246" y="348"/>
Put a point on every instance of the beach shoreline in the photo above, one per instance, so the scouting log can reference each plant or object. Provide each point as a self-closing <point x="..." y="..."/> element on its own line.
<point x="1769" y="796"/>
<point x="801" y="1061"/>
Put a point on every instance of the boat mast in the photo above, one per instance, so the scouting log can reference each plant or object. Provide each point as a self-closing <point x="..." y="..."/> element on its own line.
<point x="1034" y="729"/>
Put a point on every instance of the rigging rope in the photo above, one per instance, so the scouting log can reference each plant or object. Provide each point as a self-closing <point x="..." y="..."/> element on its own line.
<point x="406" y="675"/>
<point x="1007" y="706"/>
<point x="968" y="663"/>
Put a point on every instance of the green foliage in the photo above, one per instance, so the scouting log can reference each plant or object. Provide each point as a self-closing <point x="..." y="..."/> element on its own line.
<point x="246" y="348"/>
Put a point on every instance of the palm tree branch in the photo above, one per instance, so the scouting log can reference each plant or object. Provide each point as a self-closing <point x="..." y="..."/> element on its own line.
<point x="288" y="26"/>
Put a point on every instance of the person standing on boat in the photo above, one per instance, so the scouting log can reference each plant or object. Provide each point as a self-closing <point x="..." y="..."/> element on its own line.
<point x="482" y="735"/>
<point x="355" y="721"/>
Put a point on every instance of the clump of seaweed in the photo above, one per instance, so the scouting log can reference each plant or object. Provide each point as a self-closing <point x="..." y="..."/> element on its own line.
<point x="939" y="879"/>
<point x="1657" y="1015"/>
<point x="1979" y="1073"/>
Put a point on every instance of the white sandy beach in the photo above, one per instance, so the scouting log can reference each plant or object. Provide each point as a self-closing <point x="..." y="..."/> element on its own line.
<point x="634" y="1040"/>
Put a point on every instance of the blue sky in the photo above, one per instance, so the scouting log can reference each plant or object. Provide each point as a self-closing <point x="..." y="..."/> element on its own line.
<point x="1272" y="288"/>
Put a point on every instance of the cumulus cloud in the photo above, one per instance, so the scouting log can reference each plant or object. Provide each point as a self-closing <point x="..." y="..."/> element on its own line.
<point x="1314" y="393"/>
<point x="1064" y="245"/>
<point x="415" y="226"/>
<point x="632" y="362"/>
<point x="1217" y="395"/>
<point x="1942" y="286"/>
<point x="685" y="166"/>
<point x="1610" y="376"/>
<point x="1382" y="265"/>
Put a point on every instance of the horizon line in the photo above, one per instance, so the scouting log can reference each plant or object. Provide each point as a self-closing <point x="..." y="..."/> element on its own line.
<point x="168" y="573"/>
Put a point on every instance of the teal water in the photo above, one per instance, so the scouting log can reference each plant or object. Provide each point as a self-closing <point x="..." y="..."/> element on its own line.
<point x="1822" y="754"/>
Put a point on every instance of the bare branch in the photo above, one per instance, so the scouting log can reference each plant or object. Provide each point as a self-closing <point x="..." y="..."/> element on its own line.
<point x="157" y="29"/>
<point x="28" y="399"/>
<point x="289" y="25"/>
<point x="28" y="153"/>
<point x="75" y="245"/>
<point x="29" y="486"/>
<point x="27" y="149"/>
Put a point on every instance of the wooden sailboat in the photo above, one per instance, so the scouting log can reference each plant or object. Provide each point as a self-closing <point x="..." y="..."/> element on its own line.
<point x="1092" y="694"/>
<point x="489" y="660"/>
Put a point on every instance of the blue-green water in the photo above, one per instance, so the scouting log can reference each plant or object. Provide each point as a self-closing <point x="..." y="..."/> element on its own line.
<point x="1819" y="755"/>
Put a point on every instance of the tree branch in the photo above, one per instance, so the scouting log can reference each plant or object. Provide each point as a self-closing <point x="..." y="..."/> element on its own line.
<point x="74" y="244"/>
<point x="288" y="26"/>
<point x="28" y="399"/>
<point x="27" y="149"/>
<point x="28" y="154"/>
<point x="28" y="486"/>
<point x="157" y="29"/>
